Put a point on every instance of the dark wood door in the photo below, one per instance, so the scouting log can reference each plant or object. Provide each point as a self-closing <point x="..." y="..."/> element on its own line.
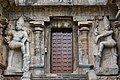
<point x="61" y="56"/>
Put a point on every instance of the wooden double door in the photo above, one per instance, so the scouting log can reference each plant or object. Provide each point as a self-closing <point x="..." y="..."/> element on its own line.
<point x="61" y="51"/>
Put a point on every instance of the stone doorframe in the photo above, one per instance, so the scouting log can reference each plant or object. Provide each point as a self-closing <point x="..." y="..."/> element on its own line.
<point x="46" y="25"/>
<point x="48" y="43"/>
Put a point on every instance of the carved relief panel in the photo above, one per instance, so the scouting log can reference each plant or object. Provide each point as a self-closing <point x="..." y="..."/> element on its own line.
<point x="105" y="52"/>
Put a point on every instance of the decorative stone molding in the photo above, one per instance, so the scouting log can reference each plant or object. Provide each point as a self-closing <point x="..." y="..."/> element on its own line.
<point x="61" y="2"/>
<point x="98" y="2"/>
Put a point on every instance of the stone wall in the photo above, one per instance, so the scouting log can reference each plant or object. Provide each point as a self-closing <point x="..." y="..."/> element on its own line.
<point x="37" y="25"/>
<point x="79" y="13"/>
<point x="2" y="46"/>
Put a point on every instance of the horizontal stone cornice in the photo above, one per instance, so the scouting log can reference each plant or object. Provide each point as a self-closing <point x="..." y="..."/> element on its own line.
<point x="61" y="2"/>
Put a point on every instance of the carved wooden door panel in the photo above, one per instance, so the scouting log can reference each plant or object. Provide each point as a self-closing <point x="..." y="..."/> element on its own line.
<point x="61" y="56"/>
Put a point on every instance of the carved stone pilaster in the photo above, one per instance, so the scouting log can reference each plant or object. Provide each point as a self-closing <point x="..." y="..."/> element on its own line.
<point x="83" y="47"/>
<point x="38" y="58"/>
<point x="84" y="37"/>
<point x="83" y="42"/>
<point x="38" y="38"/>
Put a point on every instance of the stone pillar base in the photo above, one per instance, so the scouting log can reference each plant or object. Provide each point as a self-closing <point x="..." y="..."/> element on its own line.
<point x="26" y="79"/>
<point x="26" y="75"/>
<point x="92" y="75"/>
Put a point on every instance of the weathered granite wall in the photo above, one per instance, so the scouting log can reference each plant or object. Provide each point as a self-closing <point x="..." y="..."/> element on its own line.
<point x="79" y="13"/>
<point x="3" y="23"/>
<point x="37" y="30"/>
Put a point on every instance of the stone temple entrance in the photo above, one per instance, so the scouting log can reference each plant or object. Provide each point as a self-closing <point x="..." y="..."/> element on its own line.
<point x="61" y="46"/>
<point x="61" y="50"/>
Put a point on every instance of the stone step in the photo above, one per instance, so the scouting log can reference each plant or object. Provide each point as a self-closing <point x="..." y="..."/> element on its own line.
<point x="58" y="79"/>
<point x="61" y="77"/>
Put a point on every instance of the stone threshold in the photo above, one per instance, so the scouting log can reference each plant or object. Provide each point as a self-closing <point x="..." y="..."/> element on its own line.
<point x="61" y="76"/>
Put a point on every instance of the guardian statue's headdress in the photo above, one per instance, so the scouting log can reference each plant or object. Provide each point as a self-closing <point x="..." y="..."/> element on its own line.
<point x="106" y="21"/>
<point x="20" y="21"/>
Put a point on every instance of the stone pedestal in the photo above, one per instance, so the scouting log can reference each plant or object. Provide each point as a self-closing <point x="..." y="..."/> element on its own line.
<point x="16" y="68"/>
<point x="108" y="64"/>
<point x="26" y="75"/>
<point x="92" y="75"/>
<point x="37" y="70"/>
